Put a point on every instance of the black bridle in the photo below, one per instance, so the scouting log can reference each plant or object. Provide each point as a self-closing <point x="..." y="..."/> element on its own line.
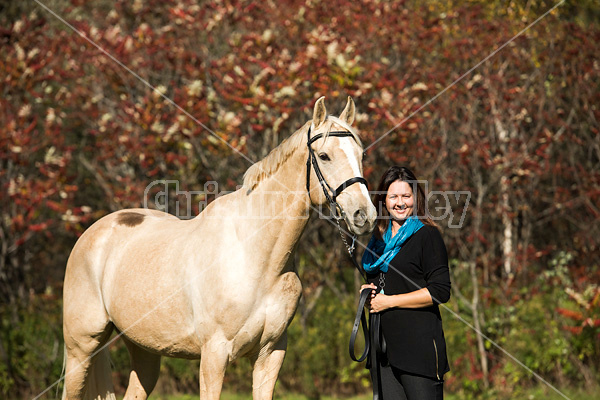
<point x="330" y="194"/>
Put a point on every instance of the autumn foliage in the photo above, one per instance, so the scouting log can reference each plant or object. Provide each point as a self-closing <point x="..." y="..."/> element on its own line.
<point x="194" y="91"/>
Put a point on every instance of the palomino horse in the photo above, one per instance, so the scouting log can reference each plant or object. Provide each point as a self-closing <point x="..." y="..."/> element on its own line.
<point x="216" y="287"/>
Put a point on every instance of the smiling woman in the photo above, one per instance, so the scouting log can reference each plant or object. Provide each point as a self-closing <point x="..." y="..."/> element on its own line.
<point x="408" y="276"/>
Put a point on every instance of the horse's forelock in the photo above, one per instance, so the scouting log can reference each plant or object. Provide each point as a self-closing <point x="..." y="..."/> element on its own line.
<point x="344" y="125"/>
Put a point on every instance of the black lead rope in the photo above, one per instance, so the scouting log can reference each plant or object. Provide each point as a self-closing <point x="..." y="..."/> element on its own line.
<point x="377" y="354"/>
<point x="375" y="346"/>
<point x="372" y="334"/>
<point x="358" y="320"/>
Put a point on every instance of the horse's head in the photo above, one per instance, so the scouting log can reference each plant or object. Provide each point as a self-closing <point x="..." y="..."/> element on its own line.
<point x="334" y="169"/>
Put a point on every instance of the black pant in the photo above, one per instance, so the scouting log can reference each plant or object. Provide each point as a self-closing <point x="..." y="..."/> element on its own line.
<point x="399" y="385"/>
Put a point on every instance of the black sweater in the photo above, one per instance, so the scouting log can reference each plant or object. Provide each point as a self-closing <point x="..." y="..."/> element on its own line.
<point x="414" y="337"/>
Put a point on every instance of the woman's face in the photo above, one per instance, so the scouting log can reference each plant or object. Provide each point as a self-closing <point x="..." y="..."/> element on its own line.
<point x="399" y="200"/>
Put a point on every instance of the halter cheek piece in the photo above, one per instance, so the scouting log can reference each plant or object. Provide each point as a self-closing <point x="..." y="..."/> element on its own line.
<point x="330" y="194"/>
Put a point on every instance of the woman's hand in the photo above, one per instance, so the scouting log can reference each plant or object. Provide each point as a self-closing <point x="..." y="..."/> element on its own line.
<point x="368" y="286"/>
<point x="377" y="302"/>
<point x="380" y="302"/>
<point x="373" y="288"/>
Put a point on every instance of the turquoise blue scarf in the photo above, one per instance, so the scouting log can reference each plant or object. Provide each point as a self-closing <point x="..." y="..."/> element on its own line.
<point x="379" y="253"/>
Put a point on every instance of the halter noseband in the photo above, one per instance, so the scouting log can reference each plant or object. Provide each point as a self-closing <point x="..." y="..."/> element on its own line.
<point x="330" y="194"/>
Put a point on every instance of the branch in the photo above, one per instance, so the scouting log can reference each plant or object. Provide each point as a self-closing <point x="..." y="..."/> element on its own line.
<point x="101" y="181"/>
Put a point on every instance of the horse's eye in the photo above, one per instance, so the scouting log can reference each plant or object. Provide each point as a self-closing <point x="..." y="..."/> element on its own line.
<point x="324" y="157"/>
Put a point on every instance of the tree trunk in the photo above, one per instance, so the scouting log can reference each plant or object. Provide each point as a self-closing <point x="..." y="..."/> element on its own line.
<point x="477" y="318"/>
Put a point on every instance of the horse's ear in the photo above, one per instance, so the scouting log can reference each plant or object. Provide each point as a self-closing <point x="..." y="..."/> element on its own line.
<point x="349" y="112"/>
<point x="320" y="112"/>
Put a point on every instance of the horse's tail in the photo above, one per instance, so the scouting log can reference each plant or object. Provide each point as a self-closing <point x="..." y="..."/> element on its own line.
<point x="99" y="384"/>
<point x="62" y="373"/>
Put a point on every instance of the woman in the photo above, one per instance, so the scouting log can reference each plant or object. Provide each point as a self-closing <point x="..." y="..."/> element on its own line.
<point x="407" y="269"/>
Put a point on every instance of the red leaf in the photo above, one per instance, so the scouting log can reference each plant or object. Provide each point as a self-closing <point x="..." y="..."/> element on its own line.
<point x="38" y="227"/>
<point x="574" y="315"/>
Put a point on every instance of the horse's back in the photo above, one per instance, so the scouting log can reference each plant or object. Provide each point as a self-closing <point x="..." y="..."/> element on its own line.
<point x="103" y="237"/>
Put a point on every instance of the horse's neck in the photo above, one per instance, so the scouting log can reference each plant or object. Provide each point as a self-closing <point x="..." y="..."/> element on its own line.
<point x="281" y="206"/>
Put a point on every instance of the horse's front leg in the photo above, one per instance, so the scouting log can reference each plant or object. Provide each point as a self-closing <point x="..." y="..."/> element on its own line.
<point x="266" y="368"/>
<point x="213" y="364"/>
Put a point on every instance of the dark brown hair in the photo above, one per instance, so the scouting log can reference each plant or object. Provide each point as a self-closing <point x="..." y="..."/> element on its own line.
<point x="402" y="174"/>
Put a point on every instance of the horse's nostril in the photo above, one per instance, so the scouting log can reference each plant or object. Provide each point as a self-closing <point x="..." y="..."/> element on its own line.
<point x="359" y="217"/>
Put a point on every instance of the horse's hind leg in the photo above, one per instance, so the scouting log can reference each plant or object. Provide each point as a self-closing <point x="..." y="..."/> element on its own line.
<point x="86" y="329"/>
<point x="145" y="368"/>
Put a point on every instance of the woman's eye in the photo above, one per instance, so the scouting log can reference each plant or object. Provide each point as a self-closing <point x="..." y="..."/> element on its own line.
<point x="324" y="157"/>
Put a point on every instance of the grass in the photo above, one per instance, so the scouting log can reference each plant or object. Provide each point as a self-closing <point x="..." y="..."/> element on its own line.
<point x="539" y="393"/>
<point x="248" y="396"/>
